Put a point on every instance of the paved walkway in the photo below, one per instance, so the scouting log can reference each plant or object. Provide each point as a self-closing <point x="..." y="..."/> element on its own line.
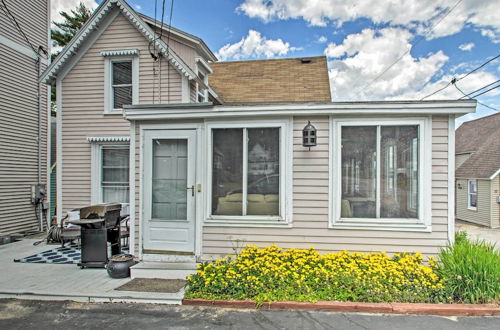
<point x="491" y="235"/>
<point x="17" y="314"/>
<point x="64" y="282"/>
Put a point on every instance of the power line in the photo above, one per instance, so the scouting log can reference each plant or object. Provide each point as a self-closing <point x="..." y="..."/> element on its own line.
<point x="483" y="104"/>
<point x="454" y="80"/>
<point x="477" y="90"/>
<point x="486" y="91"/>
<point x="416" y="42"/>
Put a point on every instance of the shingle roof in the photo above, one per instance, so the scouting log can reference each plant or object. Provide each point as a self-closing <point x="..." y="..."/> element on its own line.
<point x="274" y="80"/>
<point x="482" y="138"/>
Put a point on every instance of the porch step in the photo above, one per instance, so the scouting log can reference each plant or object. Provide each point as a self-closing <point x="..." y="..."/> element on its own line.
<point x="166" y="270"/>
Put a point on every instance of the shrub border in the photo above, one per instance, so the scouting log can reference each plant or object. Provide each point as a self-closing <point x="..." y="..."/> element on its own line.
<point x="335" y="306"/>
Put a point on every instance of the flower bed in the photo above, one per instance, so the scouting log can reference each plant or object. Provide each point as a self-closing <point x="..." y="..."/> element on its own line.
<point x="275" y="274"/>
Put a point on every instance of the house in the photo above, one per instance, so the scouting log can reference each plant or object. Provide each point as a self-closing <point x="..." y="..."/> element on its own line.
<point x="24" y="118"/>
<point x="477" y="149"/>
<point x="210" y="154"/>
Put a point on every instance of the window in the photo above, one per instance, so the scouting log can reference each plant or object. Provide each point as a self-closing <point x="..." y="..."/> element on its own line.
<point x="472" y="195"/>
<point x="110" y="173"/>
<point x="202" y="93"/>
<point x="121" y="82"/>
<point x="379" y="174"/>
<point x="247" y="173"/>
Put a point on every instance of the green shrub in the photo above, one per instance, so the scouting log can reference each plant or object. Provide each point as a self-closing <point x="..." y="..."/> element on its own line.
<point x="471" y="270"/>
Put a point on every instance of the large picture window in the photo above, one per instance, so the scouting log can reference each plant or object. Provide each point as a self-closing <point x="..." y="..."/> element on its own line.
<point x="379" y="173"/>
<point x="246" y="171"/>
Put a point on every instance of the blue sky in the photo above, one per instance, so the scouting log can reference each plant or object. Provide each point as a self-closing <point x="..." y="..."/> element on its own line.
<point x="361" y="39"/>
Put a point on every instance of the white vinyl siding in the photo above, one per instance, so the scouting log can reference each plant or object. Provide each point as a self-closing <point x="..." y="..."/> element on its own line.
<point x="311" y="206"/>
<point x="482" y="214"/>
<point x="83" y="102"/>
<point x="19" y="114"/>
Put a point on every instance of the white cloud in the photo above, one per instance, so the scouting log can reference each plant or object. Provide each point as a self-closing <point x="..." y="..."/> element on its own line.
<point x="418" y="14"/>
<point x="361" y="57"/>
<point x="57" y="6"/>
<point x="322" y="39"/>
<point x="138" y="7"/>
<point x="254" y="45"/>
<point x="466" y="47"/>
<point x="495" y="37"/>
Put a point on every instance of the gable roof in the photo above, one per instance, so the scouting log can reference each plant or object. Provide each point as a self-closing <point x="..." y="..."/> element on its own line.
<point x="273" y="80"/>
<point x="481" y="137"/>
<point x="93" y="24"/>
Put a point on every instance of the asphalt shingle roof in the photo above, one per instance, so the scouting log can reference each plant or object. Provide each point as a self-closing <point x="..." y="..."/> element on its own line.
<point x="274" y="80"/>
<point x="482" y="138"/>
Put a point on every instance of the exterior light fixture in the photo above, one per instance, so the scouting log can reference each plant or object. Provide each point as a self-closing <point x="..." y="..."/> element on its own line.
<point x="309" y="137"/>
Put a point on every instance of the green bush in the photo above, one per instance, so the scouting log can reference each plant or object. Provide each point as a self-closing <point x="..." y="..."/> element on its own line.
<point x="471" y="270"/>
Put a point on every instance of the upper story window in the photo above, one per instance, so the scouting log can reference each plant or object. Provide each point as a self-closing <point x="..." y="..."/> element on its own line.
<point x="202" y="93"/>
<point x="472" y="195"/>
<point x="121" y="84"/>
<point x="121" y="79"/>
<point x="202" y="70"/>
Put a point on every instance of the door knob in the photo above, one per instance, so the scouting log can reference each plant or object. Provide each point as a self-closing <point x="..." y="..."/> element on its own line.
<point x="192" y="190"/>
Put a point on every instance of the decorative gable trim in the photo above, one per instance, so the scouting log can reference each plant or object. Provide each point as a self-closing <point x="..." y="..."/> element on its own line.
<point x="120" y="52"/>
<point x="108" y="139"/>
<point x="93" y="24"/>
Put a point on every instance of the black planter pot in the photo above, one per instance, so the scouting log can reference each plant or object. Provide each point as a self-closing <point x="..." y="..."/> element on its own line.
<point x="119" y="265"/>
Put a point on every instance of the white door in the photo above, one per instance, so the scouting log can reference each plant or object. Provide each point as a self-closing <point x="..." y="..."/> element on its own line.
<point x="169" y="191"/>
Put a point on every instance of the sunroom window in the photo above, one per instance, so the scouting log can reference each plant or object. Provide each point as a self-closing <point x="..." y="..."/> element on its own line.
<point x="246" y="171"/>
<point x="380" y="172"/>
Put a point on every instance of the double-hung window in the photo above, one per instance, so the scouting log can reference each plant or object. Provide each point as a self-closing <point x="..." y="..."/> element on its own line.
<point x="248" y="166"/>
<point x="121" y="83"/>
<point x="380" y="174"/>
<point x="110" y="172"/>
<point x="472" y="195"/>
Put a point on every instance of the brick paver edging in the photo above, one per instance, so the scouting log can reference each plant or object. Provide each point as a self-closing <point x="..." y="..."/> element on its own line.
<point x="334" y="306"/>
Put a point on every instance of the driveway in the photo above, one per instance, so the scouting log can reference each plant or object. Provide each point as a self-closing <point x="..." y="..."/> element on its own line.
<point x="491" y="235"/>
<point x="26" y="314"/>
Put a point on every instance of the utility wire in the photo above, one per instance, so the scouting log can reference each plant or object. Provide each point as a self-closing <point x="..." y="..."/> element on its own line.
<point x="454" y="80"/>
<point x="416" y="42"/>
<point x="486" y="91"/>
<point x="13" y="20"/>
<point x="483" y="104"/>
<point x="477" y="90"/>
<point x="168" y="46"/>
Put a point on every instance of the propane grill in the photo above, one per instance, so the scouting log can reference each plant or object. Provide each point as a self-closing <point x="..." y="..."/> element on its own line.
<point x="100" y="225"/>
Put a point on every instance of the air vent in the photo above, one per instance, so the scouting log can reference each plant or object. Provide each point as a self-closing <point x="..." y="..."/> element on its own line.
<point x="305" y="60"/>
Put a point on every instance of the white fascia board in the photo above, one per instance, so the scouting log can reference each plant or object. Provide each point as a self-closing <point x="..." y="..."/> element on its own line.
<point x="495" y="174"/>
<point x="205" y="65"/>
<point x="93" y="23"/>
<point x="368" y="108"/>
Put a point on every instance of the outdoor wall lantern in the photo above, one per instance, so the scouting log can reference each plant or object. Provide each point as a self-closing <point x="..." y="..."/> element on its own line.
<point x="309" y="137"/>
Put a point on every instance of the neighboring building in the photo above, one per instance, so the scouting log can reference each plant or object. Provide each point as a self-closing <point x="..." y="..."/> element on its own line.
<point x="477" y="171"/>
<point x="23" y="112"/>
<point x="182" y="153"/>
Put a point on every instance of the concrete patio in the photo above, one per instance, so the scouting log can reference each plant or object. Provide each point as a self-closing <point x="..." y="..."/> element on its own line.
<point x="491" y="235"/>
<point x="64" y="281"/>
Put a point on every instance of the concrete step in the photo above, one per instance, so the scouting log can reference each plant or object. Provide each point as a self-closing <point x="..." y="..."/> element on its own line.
<point x="166" y="270"/>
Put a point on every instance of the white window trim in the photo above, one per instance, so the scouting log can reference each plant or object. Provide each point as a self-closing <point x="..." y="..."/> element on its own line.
<point x="108" y="80"/>
<point x="424" y="221"/>
<point x="469" y="206"/>
<point x="96" y="168"/>
<point x="286" y="178"/>
<point x="205" y="81"/>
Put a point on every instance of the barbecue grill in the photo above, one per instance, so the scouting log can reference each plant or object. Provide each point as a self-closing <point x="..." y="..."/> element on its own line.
<point x="100" y="225"/>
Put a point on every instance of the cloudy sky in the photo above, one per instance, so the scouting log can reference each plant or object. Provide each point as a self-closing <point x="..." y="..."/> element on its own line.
<point x="376" y="49"/>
